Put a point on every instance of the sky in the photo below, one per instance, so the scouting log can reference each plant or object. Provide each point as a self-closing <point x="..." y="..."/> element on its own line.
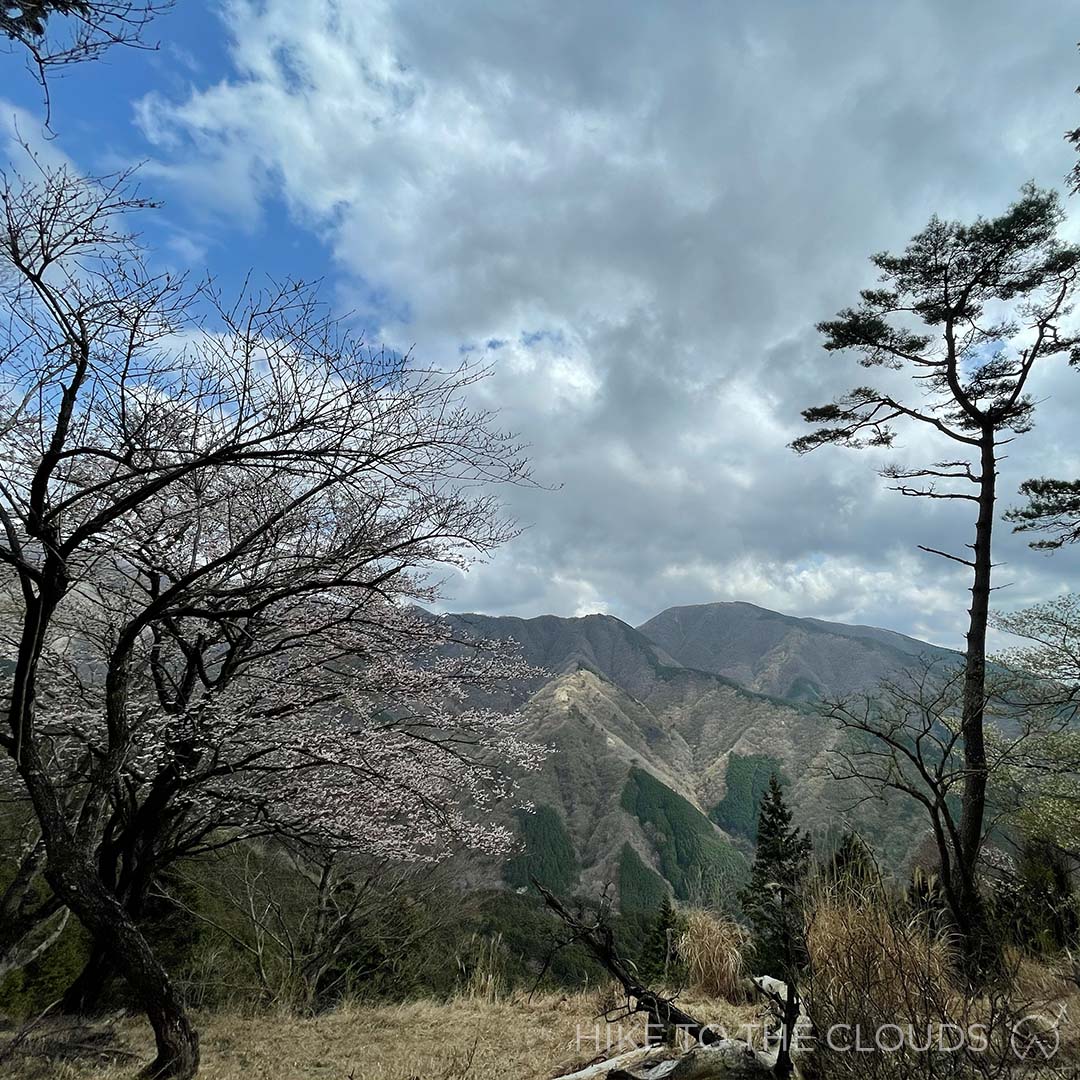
<point x="637" y="213"/>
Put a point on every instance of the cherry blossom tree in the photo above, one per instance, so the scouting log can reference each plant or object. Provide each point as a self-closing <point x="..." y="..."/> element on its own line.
<point x="215" y="519"/>
<point x="341" y="730"/>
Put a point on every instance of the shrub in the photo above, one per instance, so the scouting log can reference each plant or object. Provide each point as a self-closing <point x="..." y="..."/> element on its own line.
<point x="874" y="966"/>
<point x="482" y="965"/>
<point x="713" y="950"/>
<point x="867" y="957"/>
<point x="1033" y="902"/>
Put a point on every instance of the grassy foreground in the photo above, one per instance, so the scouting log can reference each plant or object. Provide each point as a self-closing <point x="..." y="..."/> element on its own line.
<point x="464" y="1039"/>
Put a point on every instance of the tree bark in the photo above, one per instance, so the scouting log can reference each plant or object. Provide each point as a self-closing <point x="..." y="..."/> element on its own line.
<point x="77" y="882"/>
<point x="113" y="929"/>
<point x="116" y="860"/>
<point x="973" y="801"/>
<point x="127" y="862"/>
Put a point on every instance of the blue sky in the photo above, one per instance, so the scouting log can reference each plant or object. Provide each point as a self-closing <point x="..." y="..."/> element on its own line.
<point x="94" y="123"/>
<point x="638" y="212"/>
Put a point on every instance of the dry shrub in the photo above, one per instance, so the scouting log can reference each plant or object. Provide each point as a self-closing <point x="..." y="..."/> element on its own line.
<point x="481" y="965"/>
<point x="1040" y="978"/>
<point x="871" y="957"/>
<point x="713" y="949"/>
<point x="875" y="968"/>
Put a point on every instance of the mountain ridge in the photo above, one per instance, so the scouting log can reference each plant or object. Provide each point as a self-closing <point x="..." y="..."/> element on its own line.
<point x="787" y="656"/>
<point x="658" y="762"/>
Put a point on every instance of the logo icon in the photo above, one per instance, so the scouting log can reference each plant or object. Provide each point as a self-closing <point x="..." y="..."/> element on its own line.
<point x="1036" y="1037"/>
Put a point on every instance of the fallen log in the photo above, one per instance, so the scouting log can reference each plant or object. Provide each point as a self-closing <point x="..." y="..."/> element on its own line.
<point x="726" y="1059"/>
<point x="713" y="1056"/>
<point x="643" y="1055"/>
<point x="663" y="1014"/>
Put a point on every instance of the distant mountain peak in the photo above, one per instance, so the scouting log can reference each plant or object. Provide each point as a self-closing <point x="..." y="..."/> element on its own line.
<point x="663" y="735"/>
<point x="784" y="655"/>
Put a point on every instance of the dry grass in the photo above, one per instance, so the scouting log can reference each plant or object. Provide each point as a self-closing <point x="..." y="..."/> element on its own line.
<point x="863" y="950"/>
<point x="868" y="962"/>
<point x="465" y="1039"/>
<point x="873" y="963"/>
<point x="482" y="966"/>
<point x="714" y="950"/>
<point x="1040" y="980"/>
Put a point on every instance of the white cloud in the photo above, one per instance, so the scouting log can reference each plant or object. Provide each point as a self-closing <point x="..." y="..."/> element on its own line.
<point x="649" y="208"/>
<point x="22" y="132"/>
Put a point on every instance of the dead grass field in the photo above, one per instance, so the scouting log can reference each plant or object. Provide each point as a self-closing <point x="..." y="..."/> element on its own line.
<point x="465" y="1039"/>
<point x="513" y="1038"/>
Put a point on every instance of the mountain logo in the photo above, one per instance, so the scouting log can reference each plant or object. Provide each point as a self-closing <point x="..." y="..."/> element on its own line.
<point x="1036" y="1037"/>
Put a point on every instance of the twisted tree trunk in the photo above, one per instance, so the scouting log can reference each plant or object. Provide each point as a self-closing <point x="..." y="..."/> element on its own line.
<point x="70" y="868"/>
<point x="77" y="882"/>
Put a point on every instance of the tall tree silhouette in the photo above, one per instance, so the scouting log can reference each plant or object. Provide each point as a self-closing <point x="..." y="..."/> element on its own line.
<point x="966" y="312"/>
<point x="772" y="901"/>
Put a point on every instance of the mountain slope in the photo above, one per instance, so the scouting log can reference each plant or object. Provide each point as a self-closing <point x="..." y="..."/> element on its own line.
<point x="598" y="643"/>
<point x="697" y="737"/>
<point x="784" y="656"/>
<point x="658" y="767"/>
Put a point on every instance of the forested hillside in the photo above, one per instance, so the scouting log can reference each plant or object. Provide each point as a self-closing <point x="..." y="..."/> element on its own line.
<point x="617" y="706"/>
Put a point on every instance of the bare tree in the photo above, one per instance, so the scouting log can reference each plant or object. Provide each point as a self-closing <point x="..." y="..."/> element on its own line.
<point x="53" y="34"/>
<point x="595" y="933"/>
<point x="198" y="478"/>
<point x="906" y="738"/>
<point x="311" y="923"/>
<point x="967" y="312"/>
<point x="1044" y="771"/>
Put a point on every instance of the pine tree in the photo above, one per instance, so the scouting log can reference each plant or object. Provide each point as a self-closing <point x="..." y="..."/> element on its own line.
<point x="972" y="314"/>
<point x="852" y="865"/>
<point x="773" y="903"/>
<point x="771" y="900"/>
<point x="1053" y="508"/>
<point x="657" y="954"/>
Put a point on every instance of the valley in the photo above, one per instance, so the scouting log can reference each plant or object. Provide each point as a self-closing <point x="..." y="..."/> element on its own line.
<point x="664" y="737"/>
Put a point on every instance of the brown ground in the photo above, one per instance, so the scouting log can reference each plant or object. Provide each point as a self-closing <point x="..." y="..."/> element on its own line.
<point x="464" y="1039"/>
<point x="460" y="1040"/>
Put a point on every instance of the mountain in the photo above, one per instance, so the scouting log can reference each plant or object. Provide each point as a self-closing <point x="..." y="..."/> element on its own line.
<point x="659" y="763"/>
<point x="598" y="643"/>
<point x="787" y="657"/>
